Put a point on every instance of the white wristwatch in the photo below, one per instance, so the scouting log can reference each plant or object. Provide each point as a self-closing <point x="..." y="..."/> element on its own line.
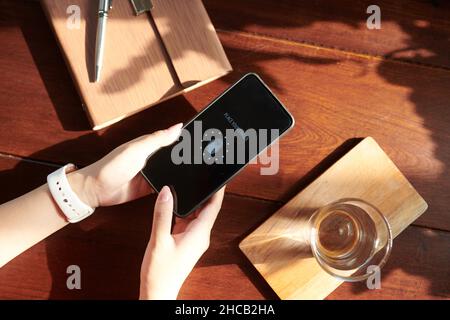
<point x="73" y="208"/>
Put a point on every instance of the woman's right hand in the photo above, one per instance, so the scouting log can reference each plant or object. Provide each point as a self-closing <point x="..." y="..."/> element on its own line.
<point x="170" y="257"/>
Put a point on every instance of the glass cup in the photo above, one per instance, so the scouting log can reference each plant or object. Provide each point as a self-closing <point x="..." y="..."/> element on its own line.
<point x="348" y="236"/>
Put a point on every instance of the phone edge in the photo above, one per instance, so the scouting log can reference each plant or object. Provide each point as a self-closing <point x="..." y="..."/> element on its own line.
<point x="243" y="167"/>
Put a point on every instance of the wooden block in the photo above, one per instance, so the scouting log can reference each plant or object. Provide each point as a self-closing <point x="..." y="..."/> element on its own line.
<point x="137" y="71"/>
<point x="278" y="248"/>
<point x="406" y="112"/>
<point x="110" y="244"/>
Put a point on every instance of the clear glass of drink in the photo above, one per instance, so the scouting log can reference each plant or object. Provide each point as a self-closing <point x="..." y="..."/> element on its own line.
<point x="348" y="236"/>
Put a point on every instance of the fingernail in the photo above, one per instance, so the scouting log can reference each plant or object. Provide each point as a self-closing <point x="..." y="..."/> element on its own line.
<point x="175" y="128"/>
<point x="164" y="194"/>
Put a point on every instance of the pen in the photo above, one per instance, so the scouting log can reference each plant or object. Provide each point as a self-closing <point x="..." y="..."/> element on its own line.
<point x="103" y="9"/>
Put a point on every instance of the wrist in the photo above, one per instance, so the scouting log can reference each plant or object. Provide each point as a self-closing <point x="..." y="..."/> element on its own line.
<point x="155" y="288"/>
<point x="83" y="186"/>
<point x="146" y="293"/>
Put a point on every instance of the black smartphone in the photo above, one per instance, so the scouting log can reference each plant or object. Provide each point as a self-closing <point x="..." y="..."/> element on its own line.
<point x="218" y="142"/>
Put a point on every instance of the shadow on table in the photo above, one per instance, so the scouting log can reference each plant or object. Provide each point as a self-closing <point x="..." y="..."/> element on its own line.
<point x="231" y="222"/>
<point x="109" y="246"/>
<point x="425" y="45"/>
<point x="111" y="268"/>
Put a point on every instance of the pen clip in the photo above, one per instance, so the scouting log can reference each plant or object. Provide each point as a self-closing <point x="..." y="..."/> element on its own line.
<point x="105" y="6"/>
<point x="141" y="6"/>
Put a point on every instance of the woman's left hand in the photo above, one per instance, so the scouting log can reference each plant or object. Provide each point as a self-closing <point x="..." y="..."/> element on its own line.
<point x="116" y="178"/>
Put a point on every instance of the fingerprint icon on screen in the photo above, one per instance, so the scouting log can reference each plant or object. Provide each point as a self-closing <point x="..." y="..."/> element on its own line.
<point x="213" y="147"/>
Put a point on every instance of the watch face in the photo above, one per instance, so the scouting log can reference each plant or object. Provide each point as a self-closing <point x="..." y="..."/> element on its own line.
<point x="218" y="143"/>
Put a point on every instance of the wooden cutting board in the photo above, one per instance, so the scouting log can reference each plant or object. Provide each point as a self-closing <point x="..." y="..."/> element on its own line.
<point x="278" y="248"/>
<point x="148" y="58"/>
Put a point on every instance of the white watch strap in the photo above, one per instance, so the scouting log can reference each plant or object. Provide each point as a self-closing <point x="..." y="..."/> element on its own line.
<point x="73" y="208"/>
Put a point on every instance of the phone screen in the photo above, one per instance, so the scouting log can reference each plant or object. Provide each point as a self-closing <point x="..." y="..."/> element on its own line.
<point x="218" y="143"/>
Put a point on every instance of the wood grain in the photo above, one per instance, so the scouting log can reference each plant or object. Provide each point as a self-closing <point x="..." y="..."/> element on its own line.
<point x="191" y="40"/>
<point x="334" y="97"/>
<point x="279" y="248"/>
<point x="408" y="273"/>
<point x="133" y="60"/>
<point x="109" y="247"/>
<point x="137" y="72"/>
<point x="411" y="30"/>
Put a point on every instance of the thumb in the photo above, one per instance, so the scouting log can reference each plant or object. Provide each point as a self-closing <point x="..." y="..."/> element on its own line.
<point x="158" y="139"/>
<point x="162" y="216"/>
<point x="140" y="148"/>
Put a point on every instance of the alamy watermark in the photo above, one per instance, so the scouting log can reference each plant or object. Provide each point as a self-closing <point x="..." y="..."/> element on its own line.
<point x="374" y="280"/>
<point x="234" y="146"/>
<point x="374" y="20"/>
<point x="74" y="19"/>
<point x="74" y="279"/>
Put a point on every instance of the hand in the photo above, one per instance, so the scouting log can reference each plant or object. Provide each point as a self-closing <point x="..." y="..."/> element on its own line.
<point x="115" y="178"/>
<point x="169" y="258"/>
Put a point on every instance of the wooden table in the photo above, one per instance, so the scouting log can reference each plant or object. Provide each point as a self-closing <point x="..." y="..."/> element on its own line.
<point x="340" y="80"/>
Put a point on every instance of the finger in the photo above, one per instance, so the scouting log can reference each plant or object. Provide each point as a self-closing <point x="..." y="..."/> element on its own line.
<point x="140" y="148"/>
<point x="158" y="139"/>
<point x="162" y="216"/>
<point x="208" y="213"/>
